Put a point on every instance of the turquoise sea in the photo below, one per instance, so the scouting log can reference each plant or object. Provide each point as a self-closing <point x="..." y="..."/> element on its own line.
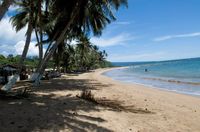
<point x="182" y="76"/>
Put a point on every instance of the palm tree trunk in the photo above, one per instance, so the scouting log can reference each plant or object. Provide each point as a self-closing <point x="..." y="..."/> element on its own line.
<point x="49" y="53"/>
<point x="4" y="7"/>
<point x="40" y="31"/>
<point x="40" y="46"/>
<point x="12" y="81"/>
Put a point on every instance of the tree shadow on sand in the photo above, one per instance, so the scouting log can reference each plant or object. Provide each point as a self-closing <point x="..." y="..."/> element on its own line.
<point x="69" y="85"/>
<point x="50" y="112"/>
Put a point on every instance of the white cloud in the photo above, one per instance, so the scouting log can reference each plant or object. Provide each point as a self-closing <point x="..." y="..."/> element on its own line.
<point x="6" y="49"/>
<point x="7" y="33"/>
<point x="168" y="37"/>
<point x="112" y="41"/>
<point x="33" y="50"/>
<point x="17" y="49"/>
<point x="11" y="41"/>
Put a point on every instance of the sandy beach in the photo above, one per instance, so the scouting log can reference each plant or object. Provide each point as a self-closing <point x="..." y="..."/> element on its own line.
<point x="54" y="106"/>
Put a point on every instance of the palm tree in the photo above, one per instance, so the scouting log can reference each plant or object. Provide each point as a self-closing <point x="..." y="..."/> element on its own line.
<point x="68" y="60"/>
<point x="58" y="55"/>
<point x="38" y="28"/>
<point x="82" y="56"/>
<point x="83" y="48"/>
<point x="80" y="16"/>
<point x="77" y="16"/>
<point x="94" y="57"/>
<point x="67" y="13"/>
<point x="19" y="21"/>
<point x="97" y="58"/>
<point x="4" y="7"/>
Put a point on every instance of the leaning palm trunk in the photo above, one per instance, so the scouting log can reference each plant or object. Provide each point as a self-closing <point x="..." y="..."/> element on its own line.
<point x="12" y="81"/>
<point x="37" y="76"/>
<point x="39" y="72"/>
<point x="4" y="7"/>
<point x="40" y="31"/>
<point x="40" y="46"/>
<point x="40" y="49"/>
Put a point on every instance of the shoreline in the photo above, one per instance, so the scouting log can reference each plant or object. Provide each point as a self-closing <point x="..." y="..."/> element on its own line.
<point x="146" y="85"/>
<point x="54" y="106"/>
<point x="178" y="110"/>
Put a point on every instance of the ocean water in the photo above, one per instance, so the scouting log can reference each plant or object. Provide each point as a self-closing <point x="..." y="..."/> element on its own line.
<point x="182" y="76"/>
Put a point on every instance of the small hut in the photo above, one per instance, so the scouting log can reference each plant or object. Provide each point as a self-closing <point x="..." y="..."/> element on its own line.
<point x="7" y="72"/>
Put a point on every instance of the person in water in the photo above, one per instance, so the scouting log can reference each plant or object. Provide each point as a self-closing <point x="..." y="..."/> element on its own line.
<point x="146" y="70"/>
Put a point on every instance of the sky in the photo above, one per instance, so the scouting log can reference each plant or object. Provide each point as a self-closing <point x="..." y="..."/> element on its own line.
<point x="148" y="30"/>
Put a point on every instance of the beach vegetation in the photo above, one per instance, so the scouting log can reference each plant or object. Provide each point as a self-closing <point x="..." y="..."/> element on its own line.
<point x="56" y="24"/>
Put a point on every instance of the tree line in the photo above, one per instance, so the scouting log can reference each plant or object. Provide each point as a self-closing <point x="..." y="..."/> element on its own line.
<point x="79" y="57"/>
